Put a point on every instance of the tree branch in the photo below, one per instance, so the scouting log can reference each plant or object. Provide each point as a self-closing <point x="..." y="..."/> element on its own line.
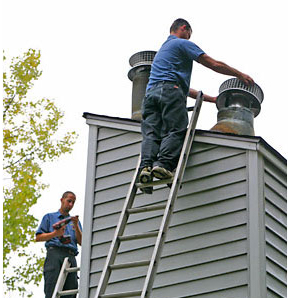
<point x="8" y="105"/>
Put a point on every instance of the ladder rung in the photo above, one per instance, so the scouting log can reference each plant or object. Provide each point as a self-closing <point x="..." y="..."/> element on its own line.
<point x="146" y="209"/>
<point x="67" y="292"/>
<point x="130" y="265"/>
<point x="118" y="295"/>
<point x="155" y="183"/>
<point x="72" y="269"/>
<point x="138" y="236"/>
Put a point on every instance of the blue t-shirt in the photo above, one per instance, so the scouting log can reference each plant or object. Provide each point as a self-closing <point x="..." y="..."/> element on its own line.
<point x="174" y="62"/>
<point x="46" y="227"/>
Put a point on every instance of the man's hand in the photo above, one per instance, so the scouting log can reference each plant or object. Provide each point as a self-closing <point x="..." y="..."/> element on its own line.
<point x="193" y="93"/>
<point x="60" y="232"/>
<point x="49" y="236"/>
<point x="75" y="220"/>
<point x="247" y="80"/>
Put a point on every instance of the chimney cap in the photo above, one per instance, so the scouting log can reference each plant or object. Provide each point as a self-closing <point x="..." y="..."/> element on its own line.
<point x="142" y="58"/>
<point x="233" y="88"/>
<point x="140" y="61"/>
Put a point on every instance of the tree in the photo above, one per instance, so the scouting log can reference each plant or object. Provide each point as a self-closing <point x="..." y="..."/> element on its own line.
<point x="30" y="138"/>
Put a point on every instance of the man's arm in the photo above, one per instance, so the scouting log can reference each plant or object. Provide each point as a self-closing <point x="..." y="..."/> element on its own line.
<point x="225" y="69"/>
<point x="49" y="236"/>
<point x="78" y="232"/>
<point x="193" y="93"/>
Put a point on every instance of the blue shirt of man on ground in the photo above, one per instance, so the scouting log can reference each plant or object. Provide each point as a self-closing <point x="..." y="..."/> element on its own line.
<point x="164" y="112"/>
<point x="60" y="243"/>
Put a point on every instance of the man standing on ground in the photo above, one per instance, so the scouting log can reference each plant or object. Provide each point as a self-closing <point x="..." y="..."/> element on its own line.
<point x="57" y="251"/>
<point x="164" y="113"/>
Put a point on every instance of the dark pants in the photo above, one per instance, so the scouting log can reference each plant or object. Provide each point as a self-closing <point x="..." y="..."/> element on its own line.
<point x="52" y="266"/>
<point x="164" y="124"/>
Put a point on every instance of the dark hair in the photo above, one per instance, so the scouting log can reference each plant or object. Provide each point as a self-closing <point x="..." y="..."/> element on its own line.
<point x="178" y="23"/>
<point x="66" y="193"/>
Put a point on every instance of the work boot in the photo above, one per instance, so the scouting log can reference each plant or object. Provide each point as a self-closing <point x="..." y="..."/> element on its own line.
<point x="146" y="175"/>
<point x="161" y="173"/>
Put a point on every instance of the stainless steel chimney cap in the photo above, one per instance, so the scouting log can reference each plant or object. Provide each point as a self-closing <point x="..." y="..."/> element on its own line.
<point x="142" y="58"/>
<point x="234" y="88"/>
<point x="140" y="61"/>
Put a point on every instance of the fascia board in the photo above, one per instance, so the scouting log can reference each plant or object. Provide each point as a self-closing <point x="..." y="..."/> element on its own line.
<point x="227" y="140"/>
<point x="276" y="159"/>
<point x="115" y="124"/>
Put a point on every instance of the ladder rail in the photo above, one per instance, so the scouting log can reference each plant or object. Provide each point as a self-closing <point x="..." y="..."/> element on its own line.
<point x="118" y="233"/>
<point x="65" y="270"/>
<point x="148" y="284"/>
<point x="61" y="278"/>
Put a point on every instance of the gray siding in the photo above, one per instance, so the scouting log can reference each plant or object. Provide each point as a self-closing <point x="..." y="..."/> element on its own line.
<point x="205" y="251"/>
<point x="117" y="155"/>
<point x="208" y="249"/>
<point x="275" y="229"/>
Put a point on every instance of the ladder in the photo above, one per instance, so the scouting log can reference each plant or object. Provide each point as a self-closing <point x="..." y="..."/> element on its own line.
<point x="152" y="264"/>
<point x="65" y="270"/>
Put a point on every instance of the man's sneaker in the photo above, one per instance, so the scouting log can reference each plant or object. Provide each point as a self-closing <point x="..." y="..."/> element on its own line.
<point x="146" y="175"/>
<point x="161" y="173"/>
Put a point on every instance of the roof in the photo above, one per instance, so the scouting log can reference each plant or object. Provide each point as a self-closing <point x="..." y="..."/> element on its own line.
<point x="135" y="125"/>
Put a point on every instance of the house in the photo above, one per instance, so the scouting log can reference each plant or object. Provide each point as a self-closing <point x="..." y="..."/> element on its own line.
<point x="227" y="236"/>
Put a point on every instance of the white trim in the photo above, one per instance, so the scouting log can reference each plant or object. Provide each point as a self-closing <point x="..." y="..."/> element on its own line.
<point x="272" y="158"/>
<point x="88" y="213"/>
<point x="115" y="125"/>
<point x="227" y="141"/>
<point x="256" y="228"/>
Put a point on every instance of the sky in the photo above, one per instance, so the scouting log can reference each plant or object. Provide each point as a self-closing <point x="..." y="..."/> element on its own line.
<point x="85" y="48"/>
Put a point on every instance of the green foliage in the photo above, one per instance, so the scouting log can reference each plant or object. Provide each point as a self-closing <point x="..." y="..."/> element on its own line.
<point x="29" y="139"/>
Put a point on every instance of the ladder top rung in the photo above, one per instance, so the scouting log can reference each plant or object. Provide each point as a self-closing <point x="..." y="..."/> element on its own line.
<point x="130" y="265"/>
<point x="67" y="292"/>
<point x="119" y="295"/>
<point x="155" y="183"/>
<point x="146" y="208"/>
<point x="72" y="269"/>
<point x="138" y="236"/>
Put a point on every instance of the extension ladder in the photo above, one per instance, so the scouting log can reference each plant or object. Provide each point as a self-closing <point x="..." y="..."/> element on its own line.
<point x="152" y="264"/>
<point x="65" y="270"/>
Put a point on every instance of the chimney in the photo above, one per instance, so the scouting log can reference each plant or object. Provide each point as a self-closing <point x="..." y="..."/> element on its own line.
<point x="139" y="75"/>
<point x="237" y="106"/>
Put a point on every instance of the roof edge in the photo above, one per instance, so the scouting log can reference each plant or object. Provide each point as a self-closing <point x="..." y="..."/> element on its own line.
<point x="134" y="125"/>
<point x="254" y="139"/>
<point x="92" y="116"/>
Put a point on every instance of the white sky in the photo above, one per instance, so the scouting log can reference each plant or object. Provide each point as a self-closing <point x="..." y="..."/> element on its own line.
<point x="86" y="45"/>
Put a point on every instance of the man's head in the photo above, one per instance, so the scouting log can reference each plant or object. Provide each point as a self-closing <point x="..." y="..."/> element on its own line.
<point x="67" y="202"/>
<point x="181" y="28"/>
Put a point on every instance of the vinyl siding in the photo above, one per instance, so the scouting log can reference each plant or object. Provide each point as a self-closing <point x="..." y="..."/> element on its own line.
<point x="206" y="245"/>
<point x="207" y="248"/>
<point x="275" y="230"/>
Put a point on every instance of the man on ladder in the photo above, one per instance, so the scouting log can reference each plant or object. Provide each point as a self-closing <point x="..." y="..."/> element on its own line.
<point x="58" y="245"/>
<point x="165" y="140"/>
<point x="164" y="113"/>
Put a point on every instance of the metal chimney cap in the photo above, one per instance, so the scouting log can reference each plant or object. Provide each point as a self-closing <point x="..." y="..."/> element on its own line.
<point x="235" y="88"/>
<point x="140" y="61"/>
<point x="142" y="58"/>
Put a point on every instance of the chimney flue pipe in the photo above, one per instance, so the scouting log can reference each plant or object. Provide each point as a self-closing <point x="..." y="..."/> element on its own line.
<point x="139" y="75"/>
<point x="238" y="105"/>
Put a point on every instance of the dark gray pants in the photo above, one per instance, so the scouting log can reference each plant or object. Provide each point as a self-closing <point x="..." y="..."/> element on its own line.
<point x="164" y="124"/>
<point x="52" y="266"/>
